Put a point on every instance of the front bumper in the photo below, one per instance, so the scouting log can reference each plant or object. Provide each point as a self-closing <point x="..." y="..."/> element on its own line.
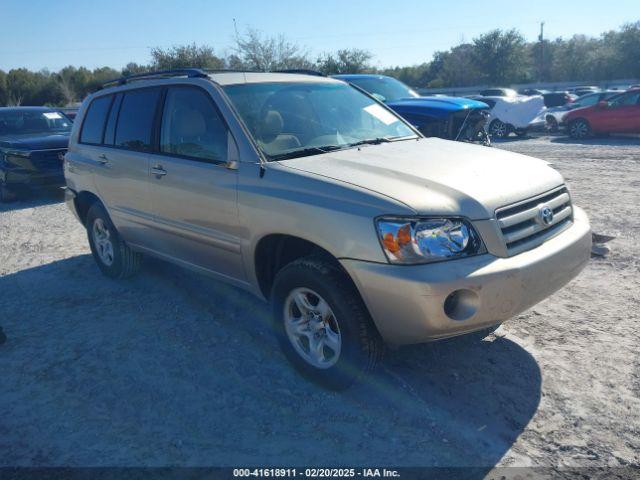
<point x="26" y="178"/>
<point x="407" y="303"/>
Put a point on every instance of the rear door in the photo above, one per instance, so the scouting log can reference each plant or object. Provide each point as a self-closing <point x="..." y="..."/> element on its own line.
<point x="193" y="185"/>
<point x="123" y="176"/>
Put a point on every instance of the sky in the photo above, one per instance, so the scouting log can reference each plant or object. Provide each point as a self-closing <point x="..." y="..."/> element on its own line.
<point x="50" y="34"/>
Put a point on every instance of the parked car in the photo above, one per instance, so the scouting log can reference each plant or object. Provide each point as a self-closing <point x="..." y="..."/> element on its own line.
<point x="557" y="99"/>
<point x="618" y="114"/>
<point x="33" y="141"/>
<point x="513" y="115"/>
<point x="70" y="112"/>
<point x="532" y="91"/>
<point x="554" y="116"/>
<point x="498" y="92"/>
<point x="584" y="90"/>
<point x="310" y="194"/>
<point x="452" y="118"/>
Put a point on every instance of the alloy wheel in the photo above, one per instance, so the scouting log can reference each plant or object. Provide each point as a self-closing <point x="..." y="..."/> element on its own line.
<point x="499" y="129"/>
<point x="312" y="328"/>
<point x="102" y="240"/>
<point x="579" y="129"/>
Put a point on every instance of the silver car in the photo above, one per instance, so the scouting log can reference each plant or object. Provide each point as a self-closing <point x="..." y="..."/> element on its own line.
<point x="317" y="198"/>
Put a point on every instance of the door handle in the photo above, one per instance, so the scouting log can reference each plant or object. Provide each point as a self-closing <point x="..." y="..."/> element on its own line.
<point x="158" y="171"/>
<point x="102" y="159"/>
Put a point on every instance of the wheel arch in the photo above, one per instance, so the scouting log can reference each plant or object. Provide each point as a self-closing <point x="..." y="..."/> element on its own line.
<point x="274" y="251"/>
<point x="83" y="202"/>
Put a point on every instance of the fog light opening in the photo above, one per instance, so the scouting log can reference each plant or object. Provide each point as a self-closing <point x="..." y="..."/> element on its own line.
<point x="461" y="304"/>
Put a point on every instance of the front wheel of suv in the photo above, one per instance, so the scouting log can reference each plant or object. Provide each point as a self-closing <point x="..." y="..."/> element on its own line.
<point x="113" y="256"/>
<point x="322" y="324"/>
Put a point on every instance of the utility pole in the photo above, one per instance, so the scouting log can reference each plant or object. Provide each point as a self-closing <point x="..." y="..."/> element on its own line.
<point x="541" y="39"/>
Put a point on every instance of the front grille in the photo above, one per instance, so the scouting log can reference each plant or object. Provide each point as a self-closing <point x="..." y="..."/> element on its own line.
<point x="47" y="159"/>
<point x="522" y="225"/>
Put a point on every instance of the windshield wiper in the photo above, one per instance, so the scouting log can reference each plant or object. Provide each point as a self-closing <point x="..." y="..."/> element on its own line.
<point x="379" y="140"/>
<point x="305" y="152"/>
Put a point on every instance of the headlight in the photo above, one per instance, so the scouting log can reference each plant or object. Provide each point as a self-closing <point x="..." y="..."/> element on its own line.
<point x="410" y="240"/>
<point x="7" y="155"/>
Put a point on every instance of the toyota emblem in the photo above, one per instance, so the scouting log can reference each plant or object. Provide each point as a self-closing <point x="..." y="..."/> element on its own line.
<point x="546" y="215"/>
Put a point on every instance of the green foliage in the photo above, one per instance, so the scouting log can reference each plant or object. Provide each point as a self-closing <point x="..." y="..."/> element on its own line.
<point x="185" y="56"/>
<point x="348" y="60"/>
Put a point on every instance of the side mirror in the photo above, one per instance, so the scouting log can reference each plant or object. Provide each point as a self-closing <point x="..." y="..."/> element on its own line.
<point x="379" y="97"/>
<point x="603" y="104"/>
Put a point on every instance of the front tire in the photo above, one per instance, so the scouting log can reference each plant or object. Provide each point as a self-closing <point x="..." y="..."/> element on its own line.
<point x="498" y="129"/>
<point x="551" y="124"/>
<point x="113" y="256"/>
<point x="579" y="129"/>
<point x="322" y="324"/>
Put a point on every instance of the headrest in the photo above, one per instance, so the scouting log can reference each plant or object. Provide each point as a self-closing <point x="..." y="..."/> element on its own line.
<point x="189" y="123"/>
<point x="270" y="126"/>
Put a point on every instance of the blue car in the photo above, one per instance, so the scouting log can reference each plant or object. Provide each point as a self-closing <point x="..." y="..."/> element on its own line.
<point x="453" y="118"/>
<point x="33" y="141"/>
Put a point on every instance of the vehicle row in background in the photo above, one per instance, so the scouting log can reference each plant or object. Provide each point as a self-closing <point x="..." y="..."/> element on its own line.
<point x="553" y="116"/>
<point x="33" y="141"/>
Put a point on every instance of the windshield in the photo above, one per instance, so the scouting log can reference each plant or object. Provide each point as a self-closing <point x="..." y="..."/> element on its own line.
<point x="298" y="119"/>
<point x="20" y="122"/>
<point x="390" y="88"/>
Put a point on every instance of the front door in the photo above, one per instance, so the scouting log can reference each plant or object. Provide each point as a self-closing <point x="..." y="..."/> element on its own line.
<point x="193" y="186"/>
<point x="621" y="116"/>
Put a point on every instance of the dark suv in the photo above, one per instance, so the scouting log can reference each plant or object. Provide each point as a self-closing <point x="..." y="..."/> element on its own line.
<point x="33" y="141"/>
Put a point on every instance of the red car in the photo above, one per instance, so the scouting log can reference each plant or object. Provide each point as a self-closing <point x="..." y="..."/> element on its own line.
<point x="619" y="114"/>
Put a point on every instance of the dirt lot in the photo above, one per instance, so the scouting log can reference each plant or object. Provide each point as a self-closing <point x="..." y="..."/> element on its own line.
<point x="172" y="368"/>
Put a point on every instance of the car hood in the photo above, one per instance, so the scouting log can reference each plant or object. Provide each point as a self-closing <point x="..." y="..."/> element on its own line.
<point x="34" y="141"/>
<point x="435" y="176"/>
<point x="447" y="104"/>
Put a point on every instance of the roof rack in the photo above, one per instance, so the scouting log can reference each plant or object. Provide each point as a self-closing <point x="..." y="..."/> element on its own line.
<point x="301" y="71"/>
<point x="196" y="73"/>
<point x="180" y="72"/>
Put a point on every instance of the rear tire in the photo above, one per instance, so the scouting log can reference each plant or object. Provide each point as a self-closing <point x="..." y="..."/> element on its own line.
<point x="114" y="258"/>
<point x="579" y="129"/>
<point x="322" y="324"/>
<point x="551" y="124"/>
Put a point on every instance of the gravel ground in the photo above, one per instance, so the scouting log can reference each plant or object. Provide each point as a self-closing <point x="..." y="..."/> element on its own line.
<point x="171" y="368"/>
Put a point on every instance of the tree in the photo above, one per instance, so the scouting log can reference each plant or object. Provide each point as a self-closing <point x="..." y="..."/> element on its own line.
<point x="253" y="51"/>
<point x="348" y="60"/>
<point x="185" y="56"/>
<point x="501" y="57"/>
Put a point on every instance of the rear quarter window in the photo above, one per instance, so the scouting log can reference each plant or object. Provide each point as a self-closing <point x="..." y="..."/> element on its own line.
<point x="94" y="120"/>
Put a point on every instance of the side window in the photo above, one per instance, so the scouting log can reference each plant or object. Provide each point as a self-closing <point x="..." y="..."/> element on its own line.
<point x="93" y="123"/>
<point x="626" y="100"/>
<point x="192" y="126"/>
<point x="588" y="100"/>
<point x="135" y="121"/>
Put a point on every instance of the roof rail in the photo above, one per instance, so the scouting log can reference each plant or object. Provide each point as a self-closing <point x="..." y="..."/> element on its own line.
<point x="180" y="72"/>
<point x="301" y="71"/>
